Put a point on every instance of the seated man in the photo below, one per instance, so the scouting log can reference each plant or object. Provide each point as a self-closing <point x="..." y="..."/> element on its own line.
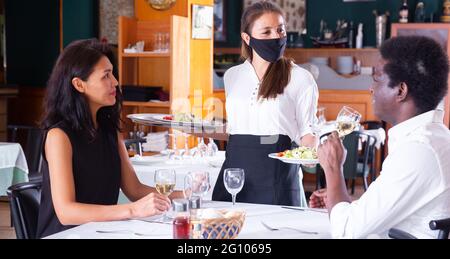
<point x="414" y="186"/>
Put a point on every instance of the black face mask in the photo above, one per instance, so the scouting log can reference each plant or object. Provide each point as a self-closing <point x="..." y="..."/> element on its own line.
<point x="270" y="50"/>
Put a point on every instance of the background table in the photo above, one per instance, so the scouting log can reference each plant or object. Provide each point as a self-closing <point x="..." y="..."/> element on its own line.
<point x="13" y="166"/>
<point x="145" y="170"/>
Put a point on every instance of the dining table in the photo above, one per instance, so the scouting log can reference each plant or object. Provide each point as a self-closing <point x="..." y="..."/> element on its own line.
<point x="261" y="222"/>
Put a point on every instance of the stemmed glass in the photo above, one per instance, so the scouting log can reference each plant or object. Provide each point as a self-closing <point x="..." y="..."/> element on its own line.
<point x="187" y="152"/>
<point x="321" y="115"/>
<point x="347" y="121"/>
<point x="234" y="179"/>
<point x="212" y="148"/>
<point x="174" y="153"/>
<point x="165" y="180"/>
<point x="196" y="183"/>
<point x="201" y="147"/>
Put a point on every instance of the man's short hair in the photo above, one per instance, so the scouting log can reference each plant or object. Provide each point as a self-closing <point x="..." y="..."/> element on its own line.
<point x="422" y="64"/>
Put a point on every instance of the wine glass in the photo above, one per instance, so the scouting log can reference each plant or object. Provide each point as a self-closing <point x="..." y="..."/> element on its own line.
<point x="196" y="183"/>
<point x="165" y="180"/>
<point x="174" y="154"/>
<point x="321" y="115"/>
<point x="234" y="179"/>
<point x="347" y="121"/>
<point x="186" y="152"/>
<point x="201" y="147"/>
<point x="212" y="148"/>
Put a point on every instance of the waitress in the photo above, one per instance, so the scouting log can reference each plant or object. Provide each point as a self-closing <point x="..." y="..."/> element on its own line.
<point x="270" y="103"/>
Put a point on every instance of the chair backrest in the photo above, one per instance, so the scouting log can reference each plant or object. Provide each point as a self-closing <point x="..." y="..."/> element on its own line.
<point x="33" y="146"/>
<point x="351" y="143"/>
<point x="372" y="124"/>
<point x="25" y="199"/>
<point x="375" y="125"/>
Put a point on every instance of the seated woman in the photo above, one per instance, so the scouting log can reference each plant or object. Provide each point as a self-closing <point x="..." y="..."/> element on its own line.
<point x="85" y="159"/>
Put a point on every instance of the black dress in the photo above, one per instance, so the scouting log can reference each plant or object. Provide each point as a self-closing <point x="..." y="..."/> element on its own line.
<point x="96" y="172"/>
<point x="267" y="180"/>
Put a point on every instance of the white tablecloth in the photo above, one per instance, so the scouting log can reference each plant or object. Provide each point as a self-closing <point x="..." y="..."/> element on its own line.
<point x="13" y="166"/>
<point x="274" y="216"/>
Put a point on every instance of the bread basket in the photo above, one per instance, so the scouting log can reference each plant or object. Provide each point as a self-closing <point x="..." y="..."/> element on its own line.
<point x="227" y="227"/>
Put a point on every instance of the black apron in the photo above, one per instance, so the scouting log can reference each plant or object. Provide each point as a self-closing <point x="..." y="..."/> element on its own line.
<point x="267" y="180"/>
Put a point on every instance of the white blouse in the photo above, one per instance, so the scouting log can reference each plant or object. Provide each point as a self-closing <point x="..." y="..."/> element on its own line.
<point x="291" y="113"/>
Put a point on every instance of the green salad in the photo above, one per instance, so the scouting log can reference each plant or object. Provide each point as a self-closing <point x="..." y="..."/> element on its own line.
<point x="300" y="153"/>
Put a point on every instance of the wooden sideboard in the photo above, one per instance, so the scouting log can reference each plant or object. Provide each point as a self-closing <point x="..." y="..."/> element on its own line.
<point x="333" y="100"/>
<point x="367" y="56"/>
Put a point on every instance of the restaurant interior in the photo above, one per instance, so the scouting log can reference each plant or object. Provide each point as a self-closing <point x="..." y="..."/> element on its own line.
<point x="170" y="58"/>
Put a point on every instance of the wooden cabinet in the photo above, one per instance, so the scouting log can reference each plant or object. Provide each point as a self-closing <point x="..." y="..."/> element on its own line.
<point x="367" y="56"/>
<point x="167" y="70"/>
<point x="185" y="71"/>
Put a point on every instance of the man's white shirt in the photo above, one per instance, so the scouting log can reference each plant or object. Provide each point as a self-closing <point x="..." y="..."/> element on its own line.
<point x="412" y="189"/>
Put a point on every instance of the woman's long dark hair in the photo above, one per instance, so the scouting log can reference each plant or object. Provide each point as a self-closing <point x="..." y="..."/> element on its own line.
<point x="278" y="74"/>
<point x="63" y="103"/>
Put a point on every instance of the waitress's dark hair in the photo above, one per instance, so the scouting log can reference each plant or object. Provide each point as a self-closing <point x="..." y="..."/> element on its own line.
<point x="278" y="74"/>
<point x="64" y="104"/>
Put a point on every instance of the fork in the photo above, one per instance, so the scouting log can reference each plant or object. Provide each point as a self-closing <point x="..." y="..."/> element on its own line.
<point x="123" y="231"/>
<point x="288" y="228"/>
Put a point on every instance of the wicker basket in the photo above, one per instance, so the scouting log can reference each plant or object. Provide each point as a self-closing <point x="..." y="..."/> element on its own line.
<point x="223" y="228"/>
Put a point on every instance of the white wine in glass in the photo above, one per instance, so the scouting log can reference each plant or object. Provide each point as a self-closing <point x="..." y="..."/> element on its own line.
<point x="165" y="180"/>
<point x="165" y="189"/>
<point x="347" y="121"/>
<point x="345" y="127"/>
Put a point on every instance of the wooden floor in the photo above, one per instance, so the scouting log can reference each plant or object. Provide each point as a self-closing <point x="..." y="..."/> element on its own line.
<point x="7" y="232"/>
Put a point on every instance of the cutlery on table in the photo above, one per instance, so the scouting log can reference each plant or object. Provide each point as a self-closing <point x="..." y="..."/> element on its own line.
<point x="288" y="228"/>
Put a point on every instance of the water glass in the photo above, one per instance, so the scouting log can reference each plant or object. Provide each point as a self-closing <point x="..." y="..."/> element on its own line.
<point x="234" y="179"/>
<point x="212" y="148"/>
<point x="196" y="183"/>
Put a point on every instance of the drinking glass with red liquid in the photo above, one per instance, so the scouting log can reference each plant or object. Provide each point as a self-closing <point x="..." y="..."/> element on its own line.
<point x="181" y="223"/>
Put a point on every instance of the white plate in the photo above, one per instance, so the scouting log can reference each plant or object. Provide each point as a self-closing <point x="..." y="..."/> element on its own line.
<point x="147" y="118"/>
<point x="147" y="160"/>
<point x="216" y="163"/>
<point x="160" y="117"/>
<point x="294" y="160"/>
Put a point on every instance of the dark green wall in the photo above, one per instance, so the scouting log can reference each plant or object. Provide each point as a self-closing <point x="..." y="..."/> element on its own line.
<point x="331" y="11"/>
<point x="33" y="35"/>
<point x="32" y="40"/>
<point x="80" y="20"/>
<point x="233" y="12"/>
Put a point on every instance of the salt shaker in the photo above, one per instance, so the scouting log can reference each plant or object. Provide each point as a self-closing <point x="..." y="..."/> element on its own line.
<point x="195" y="217"/>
